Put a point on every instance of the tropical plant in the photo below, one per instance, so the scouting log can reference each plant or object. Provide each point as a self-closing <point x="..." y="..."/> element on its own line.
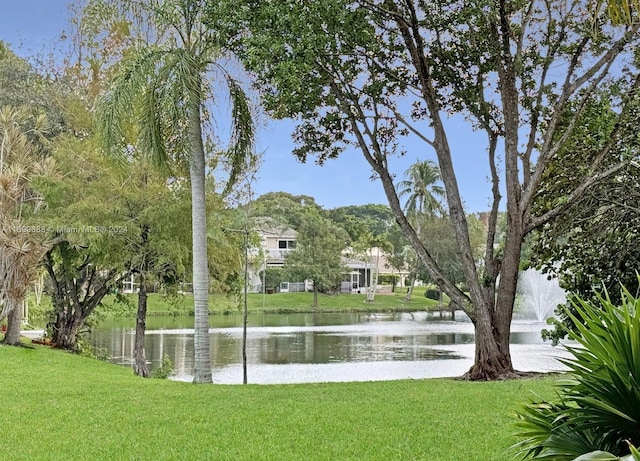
<point x="604" y="456"/>
<point x="167" y="85"/>
<point x="22" y="246"/>
<point x="598" y="406"/>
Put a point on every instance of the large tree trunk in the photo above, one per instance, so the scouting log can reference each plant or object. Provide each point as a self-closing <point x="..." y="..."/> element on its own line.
<point x="77" y="292"/>
<point x="66" y="326"/>
<point x="65" y="330"/>
<point x="493" y="322"/>
<point x="140" y="367"/>
<point x="202" y="363"/>
<point x="492" y="361"/>
<point x="12" y="335"/>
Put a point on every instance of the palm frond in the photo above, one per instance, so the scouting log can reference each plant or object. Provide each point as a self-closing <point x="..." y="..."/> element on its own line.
<point x="241" y="149"/>
<point x="115" y="109"/>
<point x="619" y="11"/>
<point x="152" y="135"/>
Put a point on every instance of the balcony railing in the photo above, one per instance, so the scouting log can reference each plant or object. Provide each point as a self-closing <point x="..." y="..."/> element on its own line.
<point x="279" y="253"/>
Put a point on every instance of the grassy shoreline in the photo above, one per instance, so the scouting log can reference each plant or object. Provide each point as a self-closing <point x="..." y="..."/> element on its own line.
<point x="61" y="406"/>
<point x="277" y="303"/>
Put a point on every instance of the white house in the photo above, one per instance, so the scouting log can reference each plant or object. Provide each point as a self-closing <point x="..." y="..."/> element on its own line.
<point x="278" y="241"/>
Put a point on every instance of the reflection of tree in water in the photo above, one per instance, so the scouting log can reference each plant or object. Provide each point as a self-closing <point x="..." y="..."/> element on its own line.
<point x="395" y="338"/>
<point x="318" y="347"/>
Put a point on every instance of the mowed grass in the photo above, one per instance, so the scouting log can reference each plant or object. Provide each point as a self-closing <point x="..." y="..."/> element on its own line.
<point x="276" y="303"/>
<point x="159" y="305"/>
<point x="57" y="406"/>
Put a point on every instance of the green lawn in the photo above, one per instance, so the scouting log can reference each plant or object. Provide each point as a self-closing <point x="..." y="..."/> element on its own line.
<point x="257" y="302"/>
<point x="60" y="406"/>
<point x="276" y="302"/>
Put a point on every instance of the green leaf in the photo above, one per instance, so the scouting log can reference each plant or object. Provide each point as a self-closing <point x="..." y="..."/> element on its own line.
<point x="597" y="455"/>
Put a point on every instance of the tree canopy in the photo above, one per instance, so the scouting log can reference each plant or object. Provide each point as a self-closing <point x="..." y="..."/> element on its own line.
<point x="380" y="76"/>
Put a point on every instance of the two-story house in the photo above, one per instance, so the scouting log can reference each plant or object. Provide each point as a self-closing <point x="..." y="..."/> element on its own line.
<point x="278" y="241"/>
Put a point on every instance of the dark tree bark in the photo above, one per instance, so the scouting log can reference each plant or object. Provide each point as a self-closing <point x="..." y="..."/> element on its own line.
<point x="66" y="328"/>
<point x="12" y="335"/>
<point x="140" y="367"/>
<point x="78" y="290"/>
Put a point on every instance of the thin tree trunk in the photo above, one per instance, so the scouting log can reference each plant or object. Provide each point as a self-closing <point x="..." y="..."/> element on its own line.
<point x="374" y="279"/>
<point x="245" y="310"/>
<point x="407" y="297"/>
<point x="202" y="363"/>
<point x="315" y="296"/>
<point x="12" y="335"/>
<point x="140" y="367"/>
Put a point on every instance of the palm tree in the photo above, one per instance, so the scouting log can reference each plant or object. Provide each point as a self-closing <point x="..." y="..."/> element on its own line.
<point x="22" y="247"/>
<point x="425" y="195"/>
<point x="421" y="185"/>
<point x="165" y="86"/>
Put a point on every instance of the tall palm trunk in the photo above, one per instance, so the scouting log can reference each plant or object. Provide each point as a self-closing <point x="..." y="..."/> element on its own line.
<point x="202" y="367"/>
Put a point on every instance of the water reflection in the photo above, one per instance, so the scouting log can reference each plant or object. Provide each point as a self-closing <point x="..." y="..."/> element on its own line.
<point x="321" y="347"/>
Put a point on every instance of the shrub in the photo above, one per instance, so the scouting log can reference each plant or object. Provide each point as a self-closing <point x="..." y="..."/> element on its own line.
<point x="388" y="279"/>
<point x="432" y="293"/>
<point x="598" y="407"/>
<point x="272" y="277"/>
<point x="165" y="369"/>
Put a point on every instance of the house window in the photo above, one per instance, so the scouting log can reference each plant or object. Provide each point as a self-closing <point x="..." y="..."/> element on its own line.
<point x="286" y="244"/>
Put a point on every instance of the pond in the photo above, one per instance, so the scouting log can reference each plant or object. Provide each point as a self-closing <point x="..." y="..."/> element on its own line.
<point x="299" y="348"/>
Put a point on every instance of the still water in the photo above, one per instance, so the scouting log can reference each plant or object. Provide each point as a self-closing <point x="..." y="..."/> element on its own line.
<point x="296" y="348"/>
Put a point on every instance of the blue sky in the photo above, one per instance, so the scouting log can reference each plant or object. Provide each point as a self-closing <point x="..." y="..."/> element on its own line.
<point x="33" y="26"/>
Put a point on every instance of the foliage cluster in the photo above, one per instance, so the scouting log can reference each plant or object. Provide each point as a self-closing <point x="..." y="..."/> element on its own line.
<point x="165" y="369"/>
<point x="433" y="293"/>
<point x="598" y="405"/>
<point x="577" y="246"/>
